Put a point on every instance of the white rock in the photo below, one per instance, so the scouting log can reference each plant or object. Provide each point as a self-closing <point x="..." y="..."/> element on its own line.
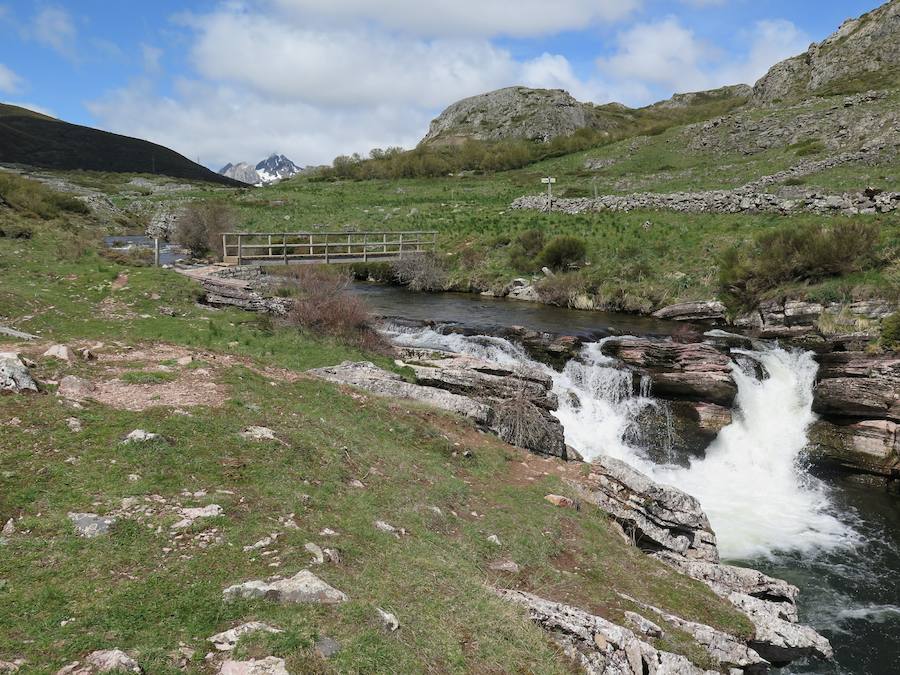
<point x="74" y="424"/>
<point x="226" y="640"/>
<point x="389" y="621"/>
<point x="14" y="375"/>
<point x="494" y="539"/>
<point x="61" y="352"/>
<point x="262" y="543"/>
<point x="102" y="661"/>
<point x="90" y="525"/>
<point x="318" y="553"/>
<point x="303" y="587"/>
<point x="271" y="665"/>
<point x="259" y="434"/>
<point x="140" y="436"/>
<point x="9" y="529"/>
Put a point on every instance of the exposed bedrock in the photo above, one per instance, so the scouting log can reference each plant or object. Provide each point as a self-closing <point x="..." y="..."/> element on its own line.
<point x="697" y="371"/>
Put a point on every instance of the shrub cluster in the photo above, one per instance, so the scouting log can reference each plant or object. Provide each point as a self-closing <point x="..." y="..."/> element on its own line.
<point x="890" y="331"/>
<point x="530" y="251"/>
<point x="801" y="254"/>
<point x="32" y="197"/>
<point x="325" y="306"/>
<point x="421" y="272"/>
<point x="200" y="226"/>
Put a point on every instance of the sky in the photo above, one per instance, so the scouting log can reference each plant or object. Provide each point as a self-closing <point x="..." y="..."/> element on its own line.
<point x="236" y="80"/>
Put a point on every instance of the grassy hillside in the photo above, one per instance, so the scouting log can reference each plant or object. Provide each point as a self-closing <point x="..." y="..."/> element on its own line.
<point x="151" y="591"/>
<point x="38" y="140"/>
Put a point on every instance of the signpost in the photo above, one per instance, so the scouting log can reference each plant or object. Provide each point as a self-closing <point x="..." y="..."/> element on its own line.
<point x="549" y="181"/>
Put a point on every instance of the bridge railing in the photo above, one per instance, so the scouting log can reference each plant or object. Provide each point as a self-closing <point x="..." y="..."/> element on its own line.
<point x="328" y="247"/>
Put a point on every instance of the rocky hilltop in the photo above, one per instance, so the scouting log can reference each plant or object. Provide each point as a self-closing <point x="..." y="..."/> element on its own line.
<point x="863" y="54"/>
<point x="513" y="112"/>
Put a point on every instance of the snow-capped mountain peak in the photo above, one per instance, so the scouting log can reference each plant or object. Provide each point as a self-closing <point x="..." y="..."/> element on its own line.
<point x="275" y="167"/>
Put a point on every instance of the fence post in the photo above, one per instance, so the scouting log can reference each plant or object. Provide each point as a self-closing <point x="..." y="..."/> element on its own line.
<point x="365" y="247"/>
<point x="224" y="246"/>
<point x="284" y="246"/>
<point x="401" y="246"/>
<point x="156" y="251"/>
<point x="240" y="249"/>
<point x="326" y="249"/>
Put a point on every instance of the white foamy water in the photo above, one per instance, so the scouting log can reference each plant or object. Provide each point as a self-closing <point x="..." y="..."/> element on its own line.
<point x="758" y="498"/>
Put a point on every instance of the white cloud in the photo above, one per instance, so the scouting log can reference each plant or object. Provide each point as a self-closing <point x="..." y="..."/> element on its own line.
<point x="150" y="57"/>
<point x="10" y="83"/>
<point x="666" y="57"/>
<point x="344" y="67"/>
<point x="485" y="18"/>
<point x="53" y="27"/>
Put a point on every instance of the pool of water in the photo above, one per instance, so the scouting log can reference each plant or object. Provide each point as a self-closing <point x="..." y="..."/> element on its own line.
<point x="168" y="253"/>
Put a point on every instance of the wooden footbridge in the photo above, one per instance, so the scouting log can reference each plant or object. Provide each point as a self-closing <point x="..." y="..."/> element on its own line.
<point x="289" y="248"/>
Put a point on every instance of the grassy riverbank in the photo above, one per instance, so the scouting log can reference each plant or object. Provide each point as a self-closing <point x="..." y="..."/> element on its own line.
<point x="152" y="590"/>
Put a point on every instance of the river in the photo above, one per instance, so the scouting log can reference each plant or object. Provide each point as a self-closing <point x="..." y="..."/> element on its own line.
<point x="837" y="541"/>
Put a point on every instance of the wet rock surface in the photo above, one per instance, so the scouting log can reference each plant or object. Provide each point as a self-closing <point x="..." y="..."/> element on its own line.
<point x="695" y="371"/>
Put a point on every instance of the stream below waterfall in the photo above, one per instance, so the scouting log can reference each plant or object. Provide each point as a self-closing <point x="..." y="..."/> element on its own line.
<point x="837" y="541"/>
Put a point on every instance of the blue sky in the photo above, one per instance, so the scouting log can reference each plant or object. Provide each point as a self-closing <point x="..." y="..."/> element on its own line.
<point x="232" y="80"/>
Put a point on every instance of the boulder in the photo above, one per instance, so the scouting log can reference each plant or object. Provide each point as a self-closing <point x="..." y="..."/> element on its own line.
<point x="327" y="647"/>
<point x="522" y="289"/>
<point x="674" y="432"/>
<point x="598" y="645"/>
<point x="14" y="375"/>
<point x="869" y="446"/>
<point x="695" y="371"/>
<point x="303" y="587"/>
<point x="704" y="310"/>
<point x="656" y="517"/>
<point x="61" y="352"/>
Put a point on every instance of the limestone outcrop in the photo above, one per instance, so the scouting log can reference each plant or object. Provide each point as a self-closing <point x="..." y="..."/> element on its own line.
<point x="14" y="375"/>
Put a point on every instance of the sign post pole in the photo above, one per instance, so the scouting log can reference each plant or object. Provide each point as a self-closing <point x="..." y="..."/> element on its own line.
<point x="549" y="181"/>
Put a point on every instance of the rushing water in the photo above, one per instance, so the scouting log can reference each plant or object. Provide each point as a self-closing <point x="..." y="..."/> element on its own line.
<point x="836" y="541"/>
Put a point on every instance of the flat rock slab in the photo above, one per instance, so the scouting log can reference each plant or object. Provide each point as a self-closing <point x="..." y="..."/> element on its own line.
<point x="90" y="525"/>
<point x="102" y="661"/>
<point x="271" y="665"/>
<point x="226" y="640"/>
<point x="303" y="587"/>
<point x="366" y="375"/>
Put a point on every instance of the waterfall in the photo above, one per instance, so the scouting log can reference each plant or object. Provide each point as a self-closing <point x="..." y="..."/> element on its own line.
<point x="751" y="483"/>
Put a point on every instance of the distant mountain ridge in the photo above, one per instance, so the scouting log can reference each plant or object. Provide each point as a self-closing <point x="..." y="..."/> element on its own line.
<point x="275" y="167"/>
<point x="37" y="140"/>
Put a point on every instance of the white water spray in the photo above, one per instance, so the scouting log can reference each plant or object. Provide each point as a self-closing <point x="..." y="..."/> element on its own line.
<point x="759" y="501"/>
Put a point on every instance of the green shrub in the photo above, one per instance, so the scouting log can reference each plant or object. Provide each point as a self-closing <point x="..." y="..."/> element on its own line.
<point x="563" y="251"/>
<point x="795" y="181"/>
<point x="525" y="249"/>
<point x="31" y="196"/>
<point x="890" y="331"/>
<point x="803" y="254"/>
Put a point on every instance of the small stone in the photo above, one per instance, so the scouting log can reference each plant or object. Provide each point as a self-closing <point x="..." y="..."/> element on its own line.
<point x="327" y="532"/>
<point x="318" y="553"/>
<point x="140" y="436"/>
<point x="87" y="354"/>
<point x="61" y="352"/>
<point x="185" y="360"/>
<point x="102" y="661"/>
<point x="259" y="434"/>
<point x="90" y="525"/>
<point x="355" y="483"/>
<point x="559" y="500"/>
<point x="188" y="516"/>
<point x="262" y="543"/>
<point x="133" y="478"/>
<point x="388" y="620"/>
<point x="504" y="566"/>
<point x="74" y="424"/>
<point x="333" y="555"/>
<point x="382" y="526"/>
<point x="327" y="647"/>
<point x="494" y="539"/>
<point x="9" y="529"/>
<point x="11" y="666"/>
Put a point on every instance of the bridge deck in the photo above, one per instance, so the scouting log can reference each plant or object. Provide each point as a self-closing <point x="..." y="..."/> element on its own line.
<point x="287" y="248"/>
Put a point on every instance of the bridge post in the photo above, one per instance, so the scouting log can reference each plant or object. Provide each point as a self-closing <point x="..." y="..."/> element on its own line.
<point x="401" y="246"/>
<point x="326" y="249"/>
<point x="365" y="247"/>
<point x="284" y="246"/>
<point x="240" y="249"/>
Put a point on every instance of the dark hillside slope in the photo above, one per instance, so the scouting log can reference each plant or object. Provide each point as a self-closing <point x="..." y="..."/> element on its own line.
<point x="37" y="140"/>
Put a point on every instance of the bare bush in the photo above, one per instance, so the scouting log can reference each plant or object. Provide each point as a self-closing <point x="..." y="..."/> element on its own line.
<point x="560" y="289"/>
<point x="324" y="305"/>
<point x="421" y="272"/>
<point x="200" y="227"/>
<point x="520" y="422"/>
